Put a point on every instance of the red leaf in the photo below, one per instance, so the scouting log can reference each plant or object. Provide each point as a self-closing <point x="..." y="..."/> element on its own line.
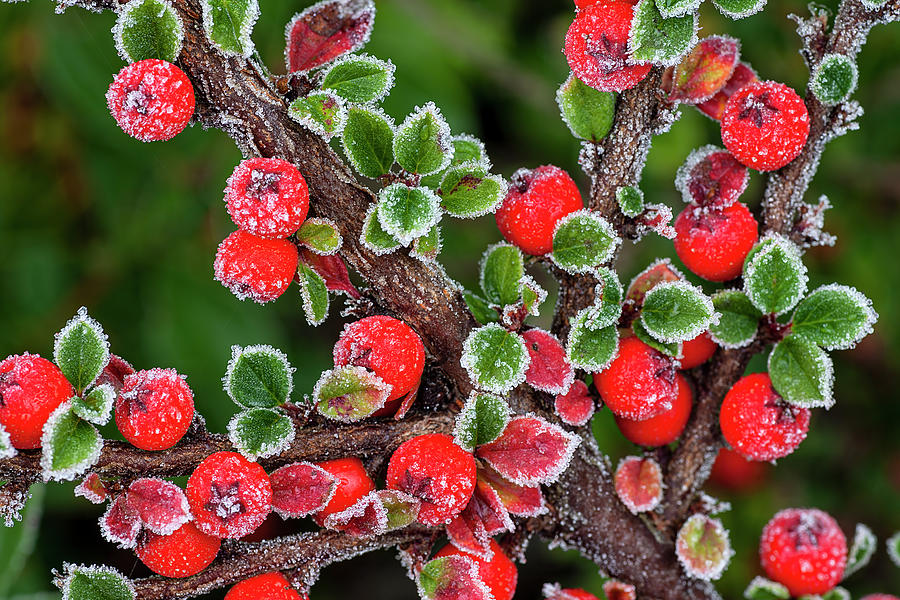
<point x="327" y="30"/>
<point x="452" y="578"/>
<point x="519" y="500"/>
<point x="705" y="70"/>
<point x="617" y="590"/>
<point x="530" y="451"/>
<point x="332" y="269"/>
<point x="554" y="591"/>
<point x="120" y="524"/>
<point x="661" y="270"/>
<point x="639" y="483"/>
<point x="712" y="178"/>
<point x="550" y="370"/>
<point x="301" y="489"/>
<point x="115" y="372"/>
<point x="575" y="407"/>
<point x="366" y="518"/>
<point x="160" y="505"/>
<point x="92" y="488"/>
<point x="484" y="517"/>
<point x="715" y="106"/>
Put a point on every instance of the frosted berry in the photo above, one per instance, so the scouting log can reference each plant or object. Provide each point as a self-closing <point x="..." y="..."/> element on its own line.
<point x="639" y="383"/>
<point x="537" y="199"/>
<point x="154" y="408"/>
<point x="765" y="125"/>
<point x="435" y="470"/>
<point x="597" y="47"/>
<point x="31" y="388"/>
<point x="151" y="100"/>
<point x="268" y="586"/>
<point x="267" y="197"/>
<point x="353" y="482"/>
<point x="498" y="573"/>
<point x="713" y="243"/>
<point x="804" y="550"/>
<point x="664" y="428"/>
<point x="736" y="473"/>
<point x="697" y="351"/>
<point x="183" y="553"/>
<point x="758" y="423"/>
<point x="229" y="495"/>
<point x="254" y="267"/>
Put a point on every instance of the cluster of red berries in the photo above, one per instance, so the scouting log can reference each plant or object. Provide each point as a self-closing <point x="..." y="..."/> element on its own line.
<point x="151" y="100"/>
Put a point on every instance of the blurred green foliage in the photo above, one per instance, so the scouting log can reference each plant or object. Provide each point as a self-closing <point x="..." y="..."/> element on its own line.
<point x="91" y="217"/>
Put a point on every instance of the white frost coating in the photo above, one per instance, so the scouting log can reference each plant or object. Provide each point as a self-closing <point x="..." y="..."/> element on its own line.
<point x="776" y="589"/>
<point x="130" y="539"/>
<point x="727" y="345"/>
<point x="376" y="111"/>
<point x="71" y="569"/>
<point x="344" y="12"/>
<point x="712" y="506"/>
<point x="711" y="570"/>
<point x="824" y="383"/>
<point x="81" y="317"/>
<point x="388" y="67"/>
<point x="238" y="351"/>
<point x="376" y="250"/>
<point x="7" y="450"/>
<point x="340" y="519"/>
<point x="84" y="490"/>
<point x="864" y="542"/>
<point x="427" y="257"/>
<point x="656" y="217"/>
<point x="659" y="55"/>
<point x="307" y="302"/>
<point x="329" y="223"/>
<point x="893" y="548"/>
<point x="126" y="19"/>
<point x="656" y="263"/>
<point x="696" y="328"/>
<point x="569" y="378"/>
<point x="680" y="11"/>
<point x="271" y="448"/>
<point x="250" y="17"/>
<point x="605" y="227"/>
<point x="815" y="81"/>
<point x="100" y="415"/>
<point x="474" y="346"/>
<point x="48" y="473"/>
<point x="553" y="471"/>
<point x="795" y="262"/>
<point x="527" y="281"/>
<point x="316" y="127"/>
<point x="389" y="203"/>
<point x="502" y="189"/>
<point x="444" y="139"/>
<point x="579" y="321"/>
<point x="741" y="14"/>
<point x="864" y="304"/>
<point x="683" y="175"/>
<point x="173" y="492"/>
<point x="373" y="380"/>
<point x="485" y="159"/>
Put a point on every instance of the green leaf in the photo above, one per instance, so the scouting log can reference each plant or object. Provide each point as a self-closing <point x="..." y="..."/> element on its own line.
<point x="834" y="79"/>
<point x="428" y="246"/>
<point x="658" y="40"/>
<point x="607" y="307"/>
<point x="893" y="548"/>
<point x="835" y="317"/>
<point x="587" y="112"/>
<point x="359" y="78"/>
<point x="314" y="292"/>
<point x="468" y="191"/>
<point x="496" y="359"/>
<point x="763" y="589"/>
<point x="70" y="445"/>
<point x="676" y="8"/>
<point x="258" y="377"/>
<point x="591" y="349"/>
<point x="229" y="23"/>
<point x="775" y="278"/>
<point x="148" y="29"/>
<point x="96" y="583"/>
<point x="96" y="406"/>
<point x="81" y="350"/>
<point x="320" y="235"/>
<point x="407" y="212"/>
<point x="801" y="372"/>
<point x="402" y="508"/>
<point x="583" y="240"/>
<point x="864" y="544"/>
<point x="373" y="235"/>
<point x="837" y="593"/>
<point x="501" y="270"/>
<point x="261" y="432"/>
<point x="738" y="9"/>
<point x="738" y="319"/>
<point x="671" y="349"/>
<point x="323" y="113"/>
<point x="423" y="144"/>
<point x="532" y="295"/>
<point x="482" y="420"/>
<point x="703" y="547"/>
<point x="17" y="541"/>
<point x="676" y="311"/>
<point x="466" y="149"/>
<point x="350" y="393"/>
<point x="368" y="139"/>
<point x="631" y="200"/>
<point x="480" y="308"/>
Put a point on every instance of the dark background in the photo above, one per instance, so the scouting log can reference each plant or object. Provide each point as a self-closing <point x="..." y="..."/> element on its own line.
<point x="91" y="217"/>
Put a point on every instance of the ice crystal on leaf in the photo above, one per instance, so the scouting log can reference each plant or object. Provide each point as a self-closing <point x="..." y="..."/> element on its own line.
<point x="575" y="407"/>
<point x="320" y="235"/>
<point x="590" y="348"/>
<point x="676" y="8"/>
<point x="323" y="113"/>
<point x="407" y="212"/>
<point x="659" y="270"/>
<point x="96" y="405"/>
<point x="639" y="483"/>
<point x="229" y="23"/>
<point x="761" y="588"/>
<point x="587" y="112"/>
<point x="332" y="269"/>
<point x="258" y="376"/>
<point x="739" y="9"/>
<point x="549" y="369"/>
<point x="452" y="578"/>
<point x="483" y="517"/>
<point x="583" y="240"/>
<point x="314" y="292"/>
<point x="864" y="544"/>
<point x="676" y="311"/>
<point x="834" y="79"/>
<point x="120" y="524"/>
<point x="893" y="548"/>
<point x="673" y="349"/>
<point x="802" y="373"/>
<point x="374" y="237"/>
<point x="630" y="200"/>
<point x="422" y="143"/>
<point x="775" y="276"/>
<point x="712" y="178"/>
<point x="359" y="78"/>
<point x="367" y="517"/>
<point x="659" y="40"/>
<point x="300" y="489"/>
<point x="466" y="149"/>
<point x="469" y="191"/>
<point x="81" y="350"/>
<point x="496" y="359"/>
<point x="703" y="547"/>
<point x="327" y="30"/>
<point x="402" y="508"/>
<point x="261" y="432"/>
<point x="834" y="317"/>
<point x="148" y="29"/>
<point x="500" y="273"/>
<point x="350" y="393"/>
<point x="519" y="500"/>
<point x="70" y="445"/>
<point x="532" y="295"/>
<point x="92" y="489"/>
<point x="428" y="246"/>
<point x="481" y="420"/>
<point x="91" y="583"/>
<point x="619" y="590"/>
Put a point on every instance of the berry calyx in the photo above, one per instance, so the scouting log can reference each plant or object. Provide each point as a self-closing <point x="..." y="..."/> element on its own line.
<point x="229" y="495"/>
<point x="267" y="197"/>
<point x="804" y="550"/>
<point x="254" y="267"/>
<point x="758" y="423"/>
<point x="31" y="388"/>
<point x="713" y="243"/>
<point x="537" y="199"/>
<point x="765" y="125"/>
<point x="183" y="553"/>
<point x="154" y="408"/>
<point x="498" y="573"/>
<point x="151" y="100"/>
<point x="268" y="586"/>
<point x="664" y="428"/>
<point x="353" y="482"/>
<point x="639" y="383"/>
<point x="697" y="351"/>
<point x="435" y="470"/>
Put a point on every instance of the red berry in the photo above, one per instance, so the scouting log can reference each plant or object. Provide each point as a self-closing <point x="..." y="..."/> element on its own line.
<point x="267" y="197"/>
<point x="498" y="573"/>
<point x="756" y="421"/>
<point x="765" y="125"/>
<point x="353" y="483"/>
<point x="386" y="346"/>
<point x="268" y="586"/>
<point x="879" y="597"/>
<point x="664" y="428"/>
<point x="229" y="495"/>
<point x="639" y="383"/>
<point x="154" y="409"/>
<point x="151" y="100"/>
<point x="736" y="473"/>
<point x="254" y="267"/>
<point x="713" y="243"/>
<point x="31" y="388"/>
<point x="536" y="201"/>
<point x="804" y="550"/>
<point x="597" y="47"/>
<point x="183" y="553"/>
<point x="435" y="470"/>
<point x="697" y="351"/>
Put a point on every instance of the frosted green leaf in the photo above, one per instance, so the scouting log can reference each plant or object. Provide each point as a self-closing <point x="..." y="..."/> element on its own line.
<point x="428" y="246"/>
<point x="738" y="319"/>
<point x="893" y="548"/>
<point x="834" y="79"/>
<point x="676" y="8"/>
<point x="775" y="278"/>
<point x="422" y="144"/>
<point x="864" y="543"/>
<point x="320" y="235"/>
<point x="802" y="373"/>
<point x="583" y="240"/>
<point x="368" y="139"/>
<point x="148" y="29"/>
<point x="359" y="78"/>
<point x="532" y="295"/>
<point x="323" y="113"/>
<point x="631" y="200"/>
<point x="658" y="40"/>
<point x="314" y="292"/>
<point x="672" y="349"/>
<point x="739" y="9"/>
<point x="591" y="349"/>
<point x="763" y="589"/>
<point x="587" y="112"/>
<point x="350" y="393"/>
<point x="837" y="593"/>
<point x="452" y="578"/>
<point x="501" y="270"/>
<point x="402" y="508"/>
<point x="835" y="317"/>
<point x="261" y="432"/>
<point x="703" y="547"/>
<point x="70" y="445"/>
<point x="482" y="420"/>
<point x="480" y="308"/>
<point x="229" y="23"/>
<point x="469" y="191"/>
<point x="95" y="583"/>
<point x="407" y="212"/>
<point x="258" y="377"/>
<point x="496" y="359"/>
<point x="373" y="235"/>
<point x="96" y="406"/>
<point x="81" y="350"/>
<point x="676" y="311"/>
<point x="607" y="307"/>
<point x="466" y="149"/>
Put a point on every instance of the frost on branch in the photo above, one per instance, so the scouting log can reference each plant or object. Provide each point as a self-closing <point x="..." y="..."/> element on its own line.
<point x="659" y="40"/>
<point x="81" y="350"/>
<point x="802" y="373"/>
<point x="864" y="544"/>
<point x="229" y="23"/>
<point x="738" y="319"/>
<point x="676" y="311"/>
<point x="549" y="369"/>
<point x="481" y="420"/>
<point x="705" y="70"/>
<point x="323" y="113"/>
<point x="70" y="445"/>
<point x="300" y="489"/>
<point x="407" y="212"/>
<point x="452" y="578"/>
<point x="587" y="112"/>
<point x="327" y="30"/>
<point x="703" y="547"/>
<point x="258" y="376"/>
<point x="775" y="276"/>
<point x="583" y="240"/>
<point x="261" y="432"/>
<point x="368" y="140"/>
<point x="496" y="359"/>
<point x="834" y="79"/>
<point x="148" y="29"/>
<point x="422" y="143"/>
<point x="639" y="483"/>
<point x="359" y="78"/>
<point x="530" y="451"/>
<point x="91" y="583"/>
<point x="834" y="317"/>
<point x="350" y="393"/>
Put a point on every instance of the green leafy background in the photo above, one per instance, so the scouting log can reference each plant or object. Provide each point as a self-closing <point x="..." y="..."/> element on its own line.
<point x="89" y="216"/>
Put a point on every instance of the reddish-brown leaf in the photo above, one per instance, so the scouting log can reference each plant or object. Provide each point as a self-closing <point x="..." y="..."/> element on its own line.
<point x="705" y="71"/>
<point x="301" y="489"/>
<point x="549" y="370"/>
<point x="519" y="500"/>
<point x="332" y="269"/>
<point x="530" y="451"/>
<point x="575" y="407"/>
<point x="714" y="108"/>
<point x="326" y="31"/>
<point x="161" y="505"/>
<point x="120" y="524"/>
<point x="661" y="270"/>
<point x="639" y="483"/>
<point x="712" y="178"/>
<point x="366" y="518"/>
